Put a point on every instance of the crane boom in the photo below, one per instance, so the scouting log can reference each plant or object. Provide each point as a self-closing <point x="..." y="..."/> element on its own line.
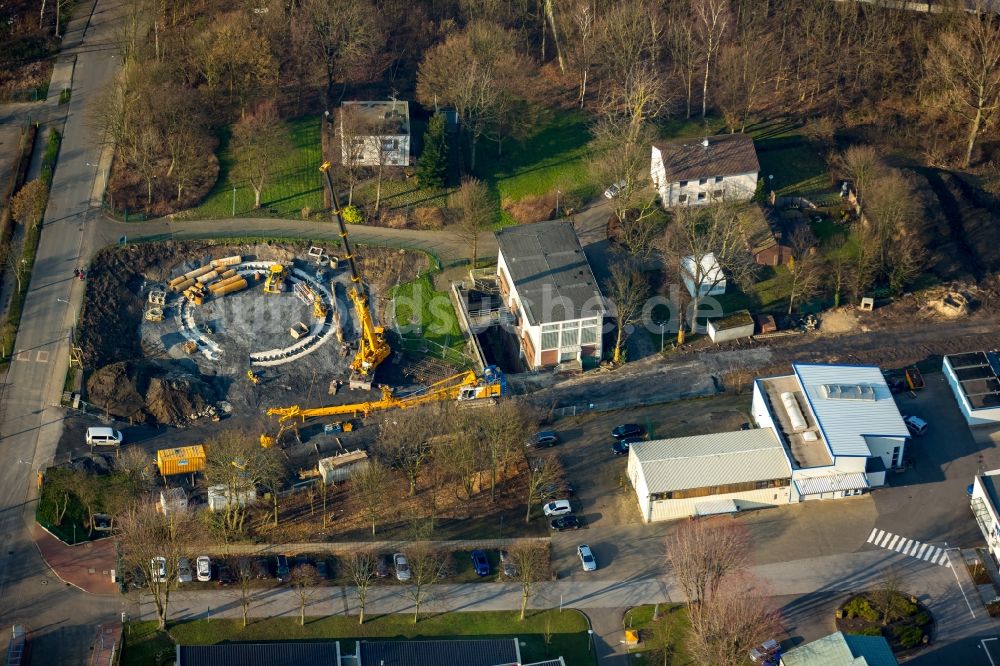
<point x="372" y="347"/>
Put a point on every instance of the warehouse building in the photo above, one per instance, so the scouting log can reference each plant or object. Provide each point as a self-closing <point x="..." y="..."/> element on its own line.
<point x="839" y="423"/>
<point x="973" y="378"/>
<point x="710" y="474"/>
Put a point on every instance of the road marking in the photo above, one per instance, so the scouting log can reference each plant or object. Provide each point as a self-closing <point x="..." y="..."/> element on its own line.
<point x="982" y="644"/>
<point x="23" y="355"/>
<point x="960" y="588"/>
<point x="42" y="357"/>
<point x="908" y="547"/>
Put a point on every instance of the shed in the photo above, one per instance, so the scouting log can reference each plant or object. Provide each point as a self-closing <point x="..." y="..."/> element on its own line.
<point x="338" y="468"/>
<point x="711" y="279"/>
<point x="220" y="496"/>
<point x="181" y="460"/>
<point x="173" y="500"/>
<point x="735" y="326"/>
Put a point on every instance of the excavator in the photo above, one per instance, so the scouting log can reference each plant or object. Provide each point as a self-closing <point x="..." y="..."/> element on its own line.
<point x="466" y="388"/>
<point x="372" y="347"/>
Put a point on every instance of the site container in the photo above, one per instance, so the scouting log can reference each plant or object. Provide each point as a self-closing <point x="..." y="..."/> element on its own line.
<point x="182" y="460"/>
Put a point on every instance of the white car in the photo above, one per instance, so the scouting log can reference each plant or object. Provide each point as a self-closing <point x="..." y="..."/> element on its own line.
<point x="586" y="557"/>
<point x="158" y="569"/>
<point x="183" y="570"/>
<point x="402" y="567"/>
<point x="614" y="190"/>
<point x="916" y="425"/>
<point x="203" y="568"/>
<point x="557" y="508"/>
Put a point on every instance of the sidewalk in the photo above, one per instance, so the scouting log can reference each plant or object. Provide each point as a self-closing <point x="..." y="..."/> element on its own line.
<point x="86" y="566"/>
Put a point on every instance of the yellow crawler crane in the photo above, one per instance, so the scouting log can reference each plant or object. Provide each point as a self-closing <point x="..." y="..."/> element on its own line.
<point x="465" y="387"/>
<point x="372" y="347"/>
<point x="275" y="281"/>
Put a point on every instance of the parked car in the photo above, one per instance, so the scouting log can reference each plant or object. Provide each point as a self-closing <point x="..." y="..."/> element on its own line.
<point x="261" y="569"/>
<point x="224" y="575"/>
<point x="203" y="568"/>
<point x="628" y="431"/>
<point x="916" y="425"/>
<point x="767" y="653"/>
<point x="507" y="565"/>
<point x="557" y="508"/>
<point x="281" y="570"/>
<point x="586" y="557"/>
<point x="183" y="570"/>
<point x="402" y="567"/>
<point x="480" y="563"/>
<point x="614" y="190"/>
<point x="544" y="439"/>
<point x="158" y="569"/>
<point x="563" y="523"/>
<point x="621" y="448"/>
<point x="554" y="490"/>
<point x="383" y="565"/>
<point x="322" y="569"/>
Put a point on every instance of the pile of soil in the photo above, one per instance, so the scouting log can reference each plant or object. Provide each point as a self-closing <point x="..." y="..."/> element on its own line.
<point x="140" y="393"/>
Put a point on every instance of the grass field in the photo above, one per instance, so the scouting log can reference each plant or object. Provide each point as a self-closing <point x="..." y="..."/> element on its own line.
<point x="662" y="639"/>
<point x="770" y="294"/>
<point x="567" y="633"/>
<point x="426" y="314"/>
<point x="296" y="183"/>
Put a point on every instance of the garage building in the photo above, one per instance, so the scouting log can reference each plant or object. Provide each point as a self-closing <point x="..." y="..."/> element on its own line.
<point x="710" y="474"/>
<point x="973" y="378"/>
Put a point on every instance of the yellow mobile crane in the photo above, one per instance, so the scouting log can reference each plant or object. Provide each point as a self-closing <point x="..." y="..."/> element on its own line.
<point x="372" y="347"/>
<point x="465" y="387"/>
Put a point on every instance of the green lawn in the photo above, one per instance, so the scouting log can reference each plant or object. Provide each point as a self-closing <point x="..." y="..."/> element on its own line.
<point x="297" y="182"/>
<point x="567" y="633"/>
<point x="662" y="640"/>
<point x="770" y="294"/>
<point x="798" y="170"/>
<point x="426" y="315"/>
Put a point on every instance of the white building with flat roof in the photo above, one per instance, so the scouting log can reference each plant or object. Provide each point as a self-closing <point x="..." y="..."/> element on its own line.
<point x="839" y="423"/>
<point x="975" y="381"/>
<point x="710" y="474"/>
<point x="985" y="500"/>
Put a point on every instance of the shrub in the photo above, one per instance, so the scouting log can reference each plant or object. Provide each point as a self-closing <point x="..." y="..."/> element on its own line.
<point x="922" y="618"/>
<point x="909" y="636"/>
<point x="532" y="208"/>
<point x="305" y="212"/>
<point x="353" y="215"/>
<point x="868" y="631"/>
<point x="861" y="607"/>
<point x="428" y="217"/>
<point x="993" y="608"/>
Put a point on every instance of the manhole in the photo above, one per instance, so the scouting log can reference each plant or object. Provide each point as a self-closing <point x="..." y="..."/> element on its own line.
<point x="45" y="581"/>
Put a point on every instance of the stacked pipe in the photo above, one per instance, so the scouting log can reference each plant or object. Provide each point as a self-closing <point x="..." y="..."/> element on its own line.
<point x="227" y="261"/>
<point x="237" y="284"/>
<point x="184" y="281"/>
<point x="215" y="287"/>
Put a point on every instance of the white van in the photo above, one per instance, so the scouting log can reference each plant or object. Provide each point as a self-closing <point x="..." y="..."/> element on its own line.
<point x="103" y="437"/>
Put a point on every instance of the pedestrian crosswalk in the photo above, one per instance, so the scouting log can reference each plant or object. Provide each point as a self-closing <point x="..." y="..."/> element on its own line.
<point x="909" y="547"/>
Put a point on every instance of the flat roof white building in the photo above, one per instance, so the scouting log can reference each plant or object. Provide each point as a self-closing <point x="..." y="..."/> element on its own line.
<point x="973" y="378"/>
<point x="984" y="501"/>
<point x="839" y="423"/>
<point x="709" y="474"/>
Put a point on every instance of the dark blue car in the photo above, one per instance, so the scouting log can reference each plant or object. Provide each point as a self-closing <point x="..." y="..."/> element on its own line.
<point x="480" y="564"/>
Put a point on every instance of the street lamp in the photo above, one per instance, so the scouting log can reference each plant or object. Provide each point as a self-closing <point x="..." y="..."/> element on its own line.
<point x="557" y="203"/>
<point x="590" y="640"/>
<point x="234" y="201"/>
<point x="662" y="324"/>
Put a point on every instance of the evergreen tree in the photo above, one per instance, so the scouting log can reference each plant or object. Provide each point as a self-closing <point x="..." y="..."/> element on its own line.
<point x="432" y="166"/>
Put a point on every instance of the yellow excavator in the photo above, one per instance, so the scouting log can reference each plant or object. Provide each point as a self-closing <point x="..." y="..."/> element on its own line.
<point x="275" y="281"/>
<point x="372" y="347"/>
<point x="465" y="387"/>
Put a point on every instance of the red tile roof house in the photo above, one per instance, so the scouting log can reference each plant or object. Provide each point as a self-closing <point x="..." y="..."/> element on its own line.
<point x="693" y="172"/>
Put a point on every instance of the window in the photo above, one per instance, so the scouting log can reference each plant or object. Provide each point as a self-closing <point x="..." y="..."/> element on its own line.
<point x="717" y="193"/>
<point x="702" y="181"/>
<point x="390" y="144"/>
<point x="718" y="179"/>
<point x="684" y="183"/>
<point x="682" y="198"/>
<point x="570" y="338"/>
<point x="550" y="340"/>
<point x="701" y="196"/>
<point x="896" y="456"/>
<point x="588" y="335"/>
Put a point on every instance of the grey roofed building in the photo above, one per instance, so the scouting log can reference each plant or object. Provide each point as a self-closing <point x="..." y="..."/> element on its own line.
<point x="547" y="265"/>
<point x="472" y="652"/>
<point x="710" y="460"/>
<point x="725" y="155"/>
<point x="259" y="654"/>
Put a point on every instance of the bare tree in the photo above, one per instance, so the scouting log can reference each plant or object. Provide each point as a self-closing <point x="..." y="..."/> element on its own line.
<point x="887" y="599"/>
<point x="28" y="205"/>
<point x="861" y="164"/>
<point x="244" y="574"/>
<point x="702" y="553"/>
<point x="476" y="213"/>
<point x="626" y="290"/>
<point x="304" y="581"/>
<point x="581" y="50"/>
<point x="259" y="140"/>
<point x="965" y="64"/>
<point x="236" y="461"/>
<point x="630" y="35"/>
<point x="683" y="51"/>
<point x="144" y="536"/>
<point x="530" y="565"/>
<point x="806" y="265"/>
<point x="370" y="485"/>
<point x="698" y="233"/>
<point x="730" y="622"/>
<point x="543" y="471"/>
<point x="711" y="23"/>
<point x="362" y="567"/>
<point x="427" y="565"/>
<point x="136" y="467"/>
<point x="501" y="434"/>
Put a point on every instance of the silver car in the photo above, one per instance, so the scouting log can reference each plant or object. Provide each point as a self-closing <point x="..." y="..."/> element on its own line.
<point x="402" y="567"/>
<point x="183" y="570"/>
<point x="586" y="557"/>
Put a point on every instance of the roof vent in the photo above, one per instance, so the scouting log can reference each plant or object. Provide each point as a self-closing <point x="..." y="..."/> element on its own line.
<point x="864" y="392"/>
<point x="795" y="418"/>
<point x="809" y="436"/>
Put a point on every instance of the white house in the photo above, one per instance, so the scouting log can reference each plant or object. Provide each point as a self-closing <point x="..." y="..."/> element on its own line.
<point x="710" y="474"/>
<point x="375" y="132"/>
<point x="692" y="172"/>
<point x="975" y="382"/>
<point x="707" y="273"/>
<point x="985" y="500"/>
<point x="550" y="289"/>
<point x="839" y="423"/>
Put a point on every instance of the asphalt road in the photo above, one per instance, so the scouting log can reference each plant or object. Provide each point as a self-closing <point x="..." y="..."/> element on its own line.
<point x="61" y="619"/>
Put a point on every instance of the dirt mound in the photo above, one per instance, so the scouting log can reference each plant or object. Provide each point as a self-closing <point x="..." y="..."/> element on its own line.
<point x="841" y="320"/>
<point x="141" y="393"/>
